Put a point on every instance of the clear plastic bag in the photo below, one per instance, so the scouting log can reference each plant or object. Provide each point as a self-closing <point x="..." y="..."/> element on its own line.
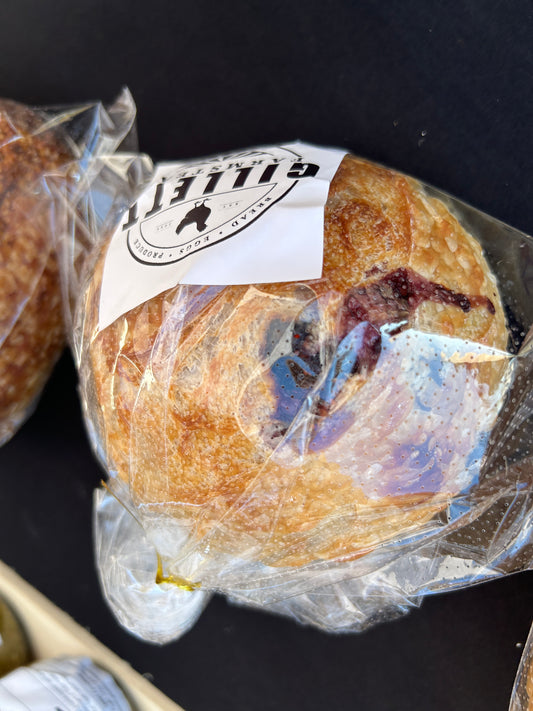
<point x="522" y="696"/>
<point x="330" y="448"/>
<point x="37" y="145"/>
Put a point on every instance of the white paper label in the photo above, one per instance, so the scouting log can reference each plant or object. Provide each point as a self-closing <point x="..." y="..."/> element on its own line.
<point x="245" y="218"/>
<point x="74" y="684"/>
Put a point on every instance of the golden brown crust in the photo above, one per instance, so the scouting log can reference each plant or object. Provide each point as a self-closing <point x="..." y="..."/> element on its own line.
<point x="386" y="220"/>
<point x="185" y="403"/>
<point x="31" y="331"/>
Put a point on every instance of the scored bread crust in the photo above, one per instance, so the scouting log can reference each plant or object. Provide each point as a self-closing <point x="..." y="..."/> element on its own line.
<point x="31" y="324"/>
<point x="181" y="389"/>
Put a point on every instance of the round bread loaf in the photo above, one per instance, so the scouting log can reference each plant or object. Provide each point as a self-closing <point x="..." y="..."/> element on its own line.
<point x="296" y="422"/>
<point x="31" y="331"/>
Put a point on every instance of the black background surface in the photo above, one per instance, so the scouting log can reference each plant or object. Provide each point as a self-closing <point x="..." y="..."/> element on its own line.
<point x="442" y="91"/>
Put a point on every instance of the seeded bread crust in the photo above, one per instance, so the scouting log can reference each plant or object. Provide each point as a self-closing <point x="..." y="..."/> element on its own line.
<point x="31" y="330"/>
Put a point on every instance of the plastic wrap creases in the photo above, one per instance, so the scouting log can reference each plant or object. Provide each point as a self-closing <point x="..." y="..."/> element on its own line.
<point x="40" y="147"/>
<point x="332" y="446"/>
<point x="522" y="696"/>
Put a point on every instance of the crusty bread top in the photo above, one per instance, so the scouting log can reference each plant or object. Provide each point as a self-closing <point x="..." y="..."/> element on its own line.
<point x="31" y="332"/>
<point x="184" y="394"/>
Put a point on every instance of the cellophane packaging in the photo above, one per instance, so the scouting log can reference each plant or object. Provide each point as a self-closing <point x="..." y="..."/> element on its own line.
<point x="308" y="379"/>
<point x="522" y="696"/>
<point x="37" y="143"/>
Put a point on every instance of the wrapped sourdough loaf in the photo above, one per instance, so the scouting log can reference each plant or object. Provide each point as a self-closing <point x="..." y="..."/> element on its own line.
<point x="37" y="145"/>
<point x="292" y="361"/>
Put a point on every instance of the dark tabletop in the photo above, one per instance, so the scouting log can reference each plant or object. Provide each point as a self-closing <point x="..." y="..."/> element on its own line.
<point x="442" y="91"/>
